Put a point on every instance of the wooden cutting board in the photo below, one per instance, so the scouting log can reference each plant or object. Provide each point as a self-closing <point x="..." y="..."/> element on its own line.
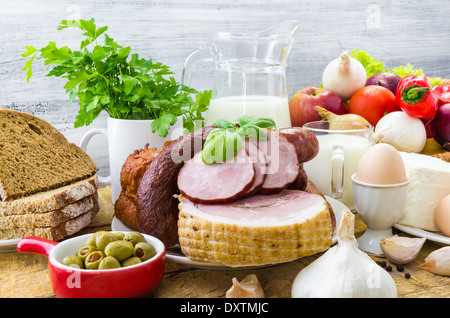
<point x="26" y="275"/>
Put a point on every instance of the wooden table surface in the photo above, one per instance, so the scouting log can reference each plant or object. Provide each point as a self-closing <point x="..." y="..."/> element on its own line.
<point x="25" y="275"/>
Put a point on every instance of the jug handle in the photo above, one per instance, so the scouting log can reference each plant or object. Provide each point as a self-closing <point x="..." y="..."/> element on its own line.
<point x="202" y="54"/>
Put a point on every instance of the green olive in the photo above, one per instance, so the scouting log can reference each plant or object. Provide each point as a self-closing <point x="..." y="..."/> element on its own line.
<point x="131" y="261"/>
<point x="144" y="251"/>
<point x="119" y="235"/>
<point x="134" y="237"/>
<point x="93" y="259"/>
<point x="121" y="250"/>
<point x="73" y="261"/>
<point x="85" y="250"/>
<point x="103" y="239"/>
<point x="91" y="240"/>
<point x="109" y="262"/>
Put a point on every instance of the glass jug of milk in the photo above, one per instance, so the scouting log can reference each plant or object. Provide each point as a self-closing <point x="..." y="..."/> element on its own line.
<point x="249" y="75"/>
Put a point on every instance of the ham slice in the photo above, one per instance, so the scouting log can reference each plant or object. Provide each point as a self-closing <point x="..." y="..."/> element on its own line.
<point x="217" y="182"/>
<point x="259" y="164"/>
<point x="257" y="230"/>
<point x="281" y="156"/>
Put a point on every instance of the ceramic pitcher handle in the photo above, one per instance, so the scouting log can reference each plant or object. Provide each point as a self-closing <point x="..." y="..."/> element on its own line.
<point x="337" y="172"/>
<point x="202" y="54"/>
<point x="84" y="143"/>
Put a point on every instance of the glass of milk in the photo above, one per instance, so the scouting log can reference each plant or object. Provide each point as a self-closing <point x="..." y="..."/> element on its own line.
<point x="341" y="146"/>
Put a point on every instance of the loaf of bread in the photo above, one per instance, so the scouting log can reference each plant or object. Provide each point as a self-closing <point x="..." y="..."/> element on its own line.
<point x="48" y="186"/>
<point x="54" y="233"/>
<point x="36" y="157"/>
<point x="51" y="218"/>
<point x="51" y="200"/>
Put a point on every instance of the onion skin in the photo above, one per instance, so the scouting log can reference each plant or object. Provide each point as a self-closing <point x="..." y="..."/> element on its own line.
<point x="385" y="79"/>
<point x="440" y="126"/>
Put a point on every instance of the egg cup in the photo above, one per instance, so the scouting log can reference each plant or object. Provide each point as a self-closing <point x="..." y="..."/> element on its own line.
<point x="380" y="206"/>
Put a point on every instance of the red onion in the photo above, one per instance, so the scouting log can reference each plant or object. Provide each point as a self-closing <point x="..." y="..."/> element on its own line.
<point x="440" y="126"/>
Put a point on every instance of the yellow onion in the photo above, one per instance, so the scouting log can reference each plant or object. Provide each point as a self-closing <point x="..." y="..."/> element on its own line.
<point x="346" y="121"/>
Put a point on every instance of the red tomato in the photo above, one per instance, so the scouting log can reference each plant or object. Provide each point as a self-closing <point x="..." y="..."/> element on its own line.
<point x="372" y="102"/>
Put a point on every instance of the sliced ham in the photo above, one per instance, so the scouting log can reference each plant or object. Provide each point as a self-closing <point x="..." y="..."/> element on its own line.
<point x="283" y="165"/>
<point x="257" y="230"/>
<point x="217" y="182"/>
<point x="259" y="164"/>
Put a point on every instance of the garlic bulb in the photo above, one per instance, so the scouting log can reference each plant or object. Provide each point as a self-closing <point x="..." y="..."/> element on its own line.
<point x="344" y="271"/>
<point x="438" y="262"/>
<point x="344" y="75"/>
<point x="401" y="250"/>
<point x="249" y="287"/>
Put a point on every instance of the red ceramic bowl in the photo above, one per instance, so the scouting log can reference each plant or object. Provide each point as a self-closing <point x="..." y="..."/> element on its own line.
<point x="133" y="281"/>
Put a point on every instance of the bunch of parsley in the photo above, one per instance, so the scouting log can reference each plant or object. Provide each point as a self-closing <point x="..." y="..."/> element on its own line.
<point x="105" y="77"/>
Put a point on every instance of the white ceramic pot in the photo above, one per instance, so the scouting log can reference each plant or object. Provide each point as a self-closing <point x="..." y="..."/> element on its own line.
<point x="124" y="137"/>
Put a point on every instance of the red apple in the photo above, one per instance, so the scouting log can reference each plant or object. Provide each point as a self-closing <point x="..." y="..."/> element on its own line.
<point x="301" y="105"/>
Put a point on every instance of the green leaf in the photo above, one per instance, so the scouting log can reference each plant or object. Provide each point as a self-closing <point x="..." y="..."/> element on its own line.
<point x="29" y="50"/>
<point x="129" y="83"/>
<point x="371" y="65"/>
<point x="403" y="71"/>
<point x="224" y="123"/>
<point x="163" y="123"/>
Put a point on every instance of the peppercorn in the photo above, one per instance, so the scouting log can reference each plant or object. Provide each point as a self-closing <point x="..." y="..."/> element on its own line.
<point x="407" y="275"/>
<point x="400" y="268"/>
<point x="383" y="264"/>
<point x="389" y="268"/>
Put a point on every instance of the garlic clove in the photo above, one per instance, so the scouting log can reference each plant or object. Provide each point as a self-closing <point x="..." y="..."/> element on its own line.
<point x="438" y="262"/>
<point x="249" y="287"/>
<point x="401" y="250"/>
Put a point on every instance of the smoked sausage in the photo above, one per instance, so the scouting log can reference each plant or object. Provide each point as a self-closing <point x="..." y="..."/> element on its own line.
<point x="305" y="142"/>
<point x="157" y="206"/>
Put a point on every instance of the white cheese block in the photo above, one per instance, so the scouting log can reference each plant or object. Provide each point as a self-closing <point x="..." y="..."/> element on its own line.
<point x="429" y="184"/>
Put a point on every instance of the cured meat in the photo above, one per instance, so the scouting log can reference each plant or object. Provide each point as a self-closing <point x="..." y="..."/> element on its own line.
<point x="301" y="182"/>
<point x="305" y="142"/>
<point x="131" y="174"/>
<point x="217" y="182"/>
<point x="157" y="208"/>
<point x="282" y="162"/>
<point x="258" y="230"/>
<point x="259" y="164"/>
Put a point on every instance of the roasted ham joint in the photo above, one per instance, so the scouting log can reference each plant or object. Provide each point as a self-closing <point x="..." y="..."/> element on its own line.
<point x="254" y="208"/>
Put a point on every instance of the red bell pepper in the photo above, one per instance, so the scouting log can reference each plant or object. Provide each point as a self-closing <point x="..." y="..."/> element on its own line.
<point x="414" y="97"/>
<point x="442" y="93"/>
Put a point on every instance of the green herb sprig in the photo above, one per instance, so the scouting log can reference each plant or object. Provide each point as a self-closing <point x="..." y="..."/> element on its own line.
<point x="225" y="141"/>
<point x="105" y="77"/>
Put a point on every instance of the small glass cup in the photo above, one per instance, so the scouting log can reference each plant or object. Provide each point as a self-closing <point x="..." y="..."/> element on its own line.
<point x="341" y="146"/>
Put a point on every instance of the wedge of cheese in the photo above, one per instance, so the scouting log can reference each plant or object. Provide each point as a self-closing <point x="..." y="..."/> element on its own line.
<point x="258" y="230"/>
<point x="429" y="184"/>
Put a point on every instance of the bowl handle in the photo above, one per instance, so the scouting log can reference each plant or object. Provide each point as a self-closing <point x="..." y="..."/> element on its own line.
<point x="34" y="244"/>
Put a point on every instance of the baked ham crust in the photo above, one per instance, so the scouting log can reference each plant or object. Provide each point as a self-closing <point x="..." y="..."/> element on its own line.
<point x="131" y="175"/>
<point x="212" y="239"/>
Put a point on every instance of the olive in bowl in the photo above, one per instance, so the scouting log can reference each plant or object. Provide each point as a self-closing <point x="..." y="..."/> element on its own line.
<point x="108" y="280"/>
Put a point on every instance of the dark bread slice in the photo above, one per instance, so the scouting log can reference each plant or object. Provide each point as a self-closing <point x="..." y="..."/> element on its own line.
<point x="51" y="218"/>
<point x="36" y="157"/>
<point x="54" y="233"/>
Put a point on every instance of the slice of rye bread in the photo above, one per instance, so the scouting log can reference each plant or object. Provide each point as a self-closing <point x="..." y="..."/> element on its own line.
<point x="54" y="233"/>
<point x="49" y="219"/>
<point x="36" y="157"/>
<point x="52" y="200"/>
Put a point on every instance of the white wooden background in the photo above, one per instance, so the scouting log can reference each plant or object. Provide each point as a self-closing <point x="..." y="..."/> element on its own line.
<point x="396" y="32"/>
